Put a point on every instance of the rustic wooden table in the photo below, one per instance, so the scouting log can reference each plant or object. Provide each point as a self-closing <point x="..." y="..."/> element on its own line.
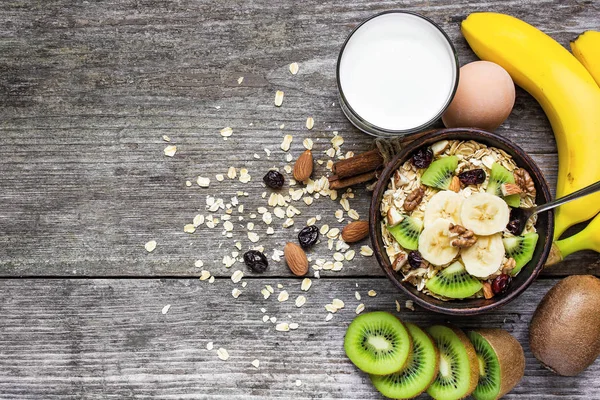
<point x="88" y="89"/>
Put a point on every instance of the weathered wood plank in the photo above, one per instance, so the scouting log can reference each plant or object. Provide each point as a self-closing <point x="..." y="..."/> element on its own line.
<point x="109" y="339"/>
<point x="88" y="90"/>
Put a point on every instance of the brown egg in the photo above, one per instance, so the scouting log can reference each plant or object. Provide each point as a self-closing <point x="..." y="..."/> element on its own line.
<point x="484" y="98"/>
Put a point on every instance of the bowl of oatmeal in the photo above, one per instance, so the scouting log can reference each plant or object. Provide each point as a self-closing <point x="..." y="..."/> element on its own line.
<point x="447" y="225"/>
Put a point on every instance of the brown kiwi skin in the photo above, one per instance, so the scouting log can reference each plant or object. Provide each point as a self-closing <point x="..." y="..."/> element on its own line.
<point x="471" y="354"/>
<point x="511" y="357"/>
<point x="564" y="334"/>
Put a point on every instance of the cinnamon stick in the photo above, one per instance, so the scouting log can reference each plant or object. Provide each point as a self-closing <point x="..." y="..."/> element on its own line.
<point x="358" y="165"/>
<point x="353" y="180"/>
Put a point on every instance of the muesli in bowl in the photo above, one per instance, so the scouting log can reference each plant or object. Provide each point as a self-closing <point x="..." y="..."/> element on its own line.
<point x="452" y="224"/>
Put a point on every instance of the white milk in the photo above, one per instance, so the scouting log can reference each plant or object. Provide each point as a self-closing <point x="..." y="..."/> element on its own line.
<point x="397" y="72"/>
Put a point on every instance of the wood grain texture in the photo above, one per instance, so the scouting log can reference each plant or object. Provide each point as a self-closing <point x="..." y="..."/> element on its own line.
<point x="104" y="339"/>
<point x="88" y="89"/>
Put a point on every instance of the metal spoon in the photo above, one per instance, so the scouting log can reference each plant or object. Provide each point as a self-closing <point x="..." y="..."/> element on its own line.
<point x="531" y="211"/>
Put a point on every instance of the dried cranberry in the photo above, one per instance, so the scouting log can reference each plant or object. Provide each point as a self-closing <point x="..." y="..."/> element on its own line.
<point x="256" y="261"/>
<point x="308" y="236"/>
<point x="422" y="157"/>
<point x="415" y="259"/>
<point x="472" y="177"/>
<point x="500" y="283"/>
<point x="273" y="179"/>
<point x="516" y="222"/>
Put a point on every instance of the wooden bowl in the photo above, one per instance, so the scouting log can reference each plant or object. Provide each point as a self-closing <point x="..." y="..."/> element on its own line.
<point x="544" y="225"/>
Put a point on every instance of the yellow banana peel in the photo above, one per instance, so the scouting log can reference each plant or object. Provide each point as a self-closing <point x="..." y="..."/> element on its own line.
<point x="586" y="48"/>
<point x="566" y="91"/>
<point x="586" y="239"/>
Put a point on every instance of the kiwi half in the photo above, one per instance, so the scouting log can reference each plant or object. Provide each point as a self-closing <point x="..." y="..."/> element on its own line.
<point x="377" y="343"/>
<point x="407" y="232"/>
<point x="458" y="371"/>
<point x="501" y="362"/>
<point x="498" y="176"/>
<point x="440" y="172"/>
<point x="418" y="373"/>
<point x="520" y="248"/>
<point x="454" y="282"/>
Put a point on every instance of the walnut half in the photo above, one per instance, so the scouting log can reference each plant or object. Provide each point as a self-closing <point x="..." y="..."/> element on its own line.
<point x="464" y="237"/>
<point x="413" y="199"/>
<point x="523" y="179"/>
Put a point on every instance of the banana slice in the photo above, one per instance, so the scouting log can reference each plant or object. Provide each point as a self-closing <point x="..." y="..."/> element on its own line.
<point x="485" y="256"/>
<point x="445" y="204"/>
<point x="434" y="243"/>
<point x="484" y="214"/>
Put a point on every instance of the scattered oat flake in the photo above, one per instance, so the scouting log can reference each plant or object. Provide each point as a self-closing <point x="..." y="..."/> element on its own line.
<point x="236" y="293"/>
<point x="240" y="80"/>
<point x="170" y="151"/>
<point x="372" y="293"/>
<point x="333" y="233"/>
<point x="282" y="327"/>
<point x="253" y="236"/>
<point x="298" y="382"/>
<point x="283" y="296"/>
<point x="306" y="284"/>
<point x="349" y="255"/>
<point x="209" y="346"/>
<point x="226" y="132"/>
<point x="220" y="177"/>
<point x="228" y="226"/>
<point x="204" y="275"/>
<point x="278" y="98"/>
<point x="150" y="246"/>
<point x="198" y="220"/>
<point x="166" y="309"/>
<point x="222" y="354"/>
<point x="300" y="301"/>
<point x="266" y="294"/>
<point x="366" y="251"/>
<point x="331" y="308"/>
<point x="353" y="214"/>
<point x="397" y="306"/>
<point x="357" y="295"/>
<point x="231" y="173"/>
<point x="360" y="308"/>
<point x="198" y="263"/>
<point x="237" y="276"/>
<point x="265" y="318"/>
<point x="329" y="317"/>
<point x="203" y="182"/>
<point x="188" y="183"/>
<point x="337" y="303"/>
<point x="294" y="68"/>
<point x="211" y="280"/>
<point x="287" y="141"/>
<point x="256" y="363"/>
<point x="189" y="228"/>
<point x="166" y="138"/>
<point x="294" y="326"/>
<point x="273" y="319"/>
<point x="410" y="305"/>
<point x="310" y="122"/>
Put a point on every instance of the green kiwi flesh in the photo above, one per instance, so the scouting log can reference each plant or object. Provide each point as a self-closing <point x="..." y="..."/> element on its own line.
<point x="377" y="343"/>
<point x="489" y="384"/>
<point x="454" y="282"/>
<point x="418" y="373"/>
<point x="498" y="176"/>
<point x="521" y="249"/>
<point x="457" y="376"/>
<point x="407" y="232"/>
<point x="440" y="172"/>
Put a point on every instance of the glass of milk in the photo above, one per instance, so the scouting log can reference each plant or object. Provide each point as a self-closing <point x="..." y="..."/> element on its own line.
<point x="396" y="73"/>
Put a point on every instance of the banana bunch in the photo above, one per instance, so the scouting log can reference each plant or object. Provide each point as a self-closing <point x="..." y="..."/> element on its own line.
<point x="586" y="48"/>
<point x="566" y="91"/>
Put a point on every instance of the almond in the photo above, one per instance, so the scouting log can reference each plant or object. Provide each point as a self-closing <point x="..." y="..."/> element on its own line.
<point x="455" y="184"/>
<point x="355" y="231"/>
<point x="296" y="259"/>
<point x="304" y="166"/>
<point x="510" y="188"/>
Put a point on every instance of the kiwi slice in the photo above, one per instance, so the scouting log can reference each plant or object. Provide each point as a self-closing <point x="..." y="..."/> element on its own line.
<point x="520" y="248"/>
<point x="501" y="362"/>
<point x="498" y="176"/>
<point x="459" y="369"/>
<point x="407" y="232"/>
<point x="454" y="282"/>
<point x="418" y="373"/>
<point x="377" y="343"/>
<point x="440" y="172"/>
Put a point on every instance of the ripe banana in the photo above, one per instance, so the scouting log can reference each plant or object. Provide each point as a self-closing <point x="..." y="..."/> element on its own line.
<point x="586" y="48"/>
<point x="445" y="204"/>
<point x="566" y="92"/>
<point x="484" y="214"/>
<point x="586" y="239"/>
<point x="485" y="256"/>
<point x="434" y="243"/>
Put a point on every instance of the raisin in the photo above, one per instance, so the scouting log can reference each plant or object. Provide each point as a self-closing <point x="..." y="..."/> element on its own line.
<point x="415" y="259"/>
<point x="308" y="236"/>
<point x="422" y="157"/>
<point x="273" y="179"/>
<point x="472" y="177"/>
<point x="500" y="283"/>
<point x="516" y="221"/>
<point x="256" y="261"/>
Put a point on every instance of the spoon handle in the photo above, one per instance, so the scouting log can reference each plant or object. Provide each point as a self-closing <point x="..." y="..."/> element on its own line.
<point x="593" y="188"/>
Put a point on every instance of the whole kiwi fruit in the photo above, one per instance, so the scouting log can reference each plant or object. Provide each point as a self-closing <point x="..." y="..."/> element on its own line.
<point x="564" y="334"/>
